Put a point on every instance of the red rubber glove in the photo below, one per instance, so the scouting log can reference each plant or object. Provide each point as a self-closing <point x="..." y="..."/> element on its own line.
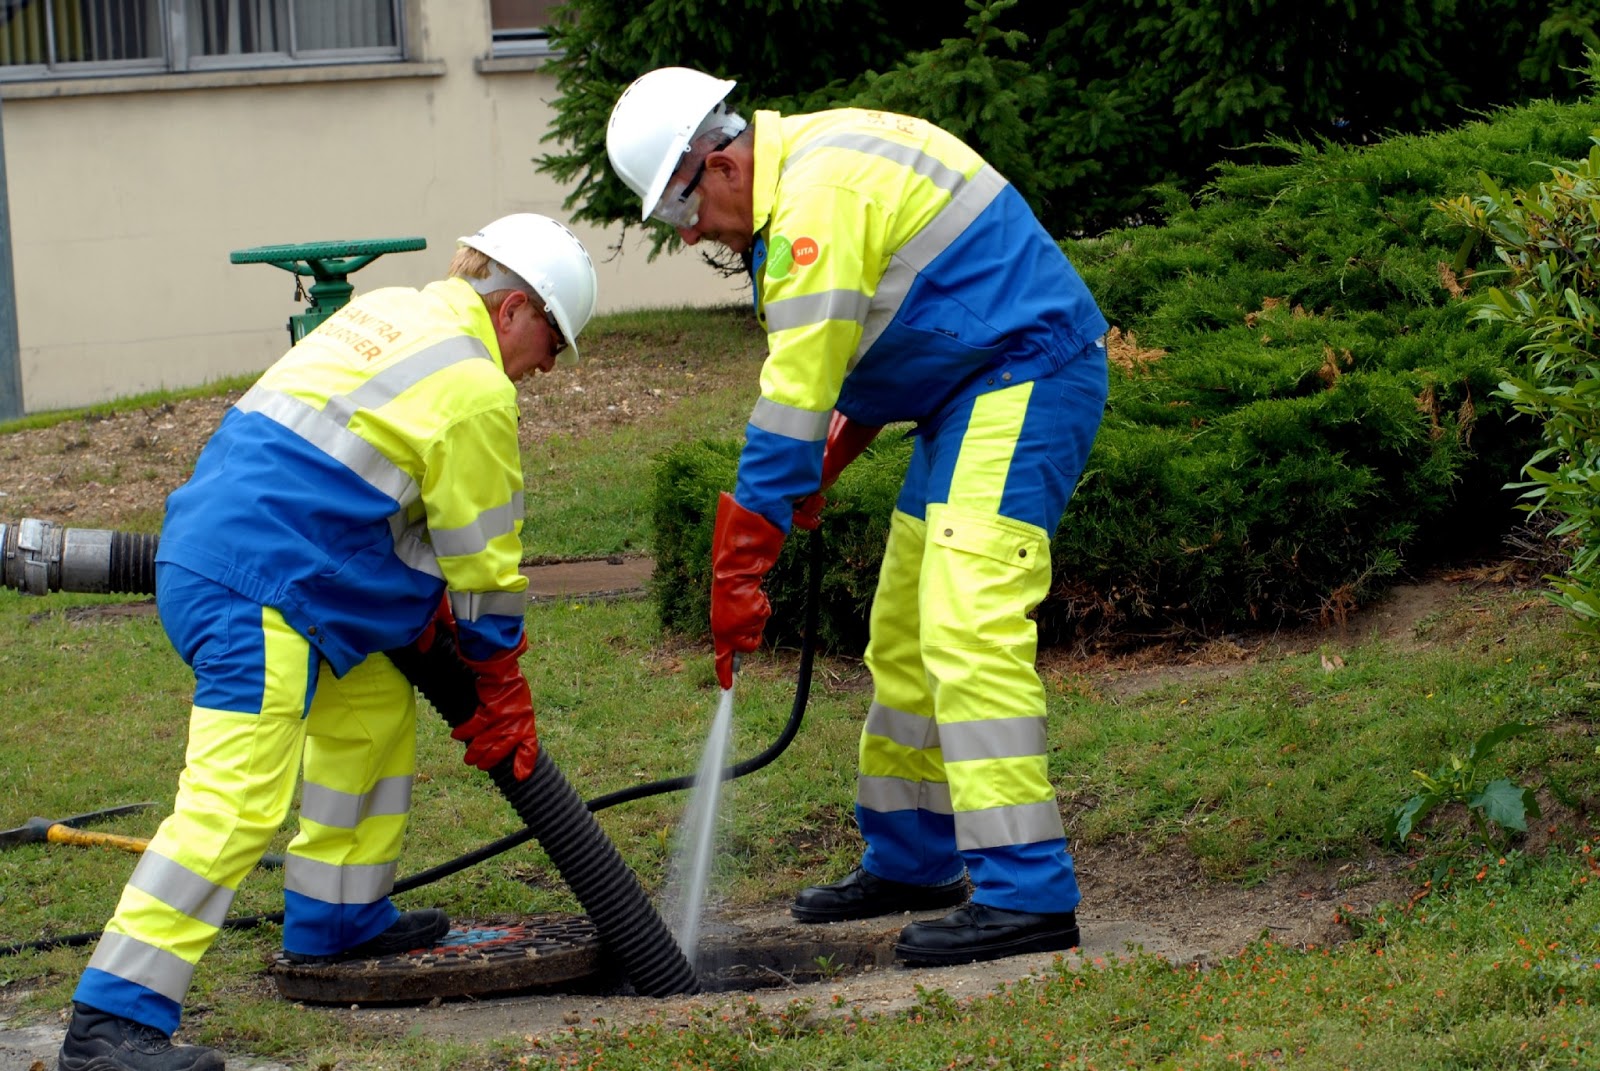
<point x="744" y="547"/>
<point x="808" y="512"/>
<point x="503" y="723"/>
<point x="846" y="440"/>
<point x="443" y="620"/>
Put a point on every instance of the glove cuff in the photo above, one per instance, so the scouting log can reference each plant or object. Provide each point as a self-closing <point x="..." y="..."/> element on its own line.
<point x="846" y="440"/>
<point x="500" y="659"/>
<point x="743" y="537"/>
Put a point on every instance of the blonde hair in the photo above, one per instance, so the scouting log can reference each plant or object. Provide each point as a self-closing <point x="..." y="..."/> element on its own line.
<point x="470" y="263"/>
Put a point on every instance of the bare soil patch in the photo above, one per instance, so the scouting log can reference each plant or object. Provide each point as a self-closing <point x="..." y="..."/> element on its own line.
<point x="115" y="469"/>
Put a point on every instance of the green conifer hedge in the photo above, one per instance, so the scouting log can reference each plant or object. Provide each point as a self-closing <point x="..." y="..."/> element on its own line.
<point x="1302" y="403"/>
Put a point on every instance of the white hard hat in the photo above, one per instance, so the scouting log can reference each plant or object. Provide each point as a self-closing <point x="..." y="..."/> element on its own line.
<point x="550" y="259"/>
<point x="654" y="121"/>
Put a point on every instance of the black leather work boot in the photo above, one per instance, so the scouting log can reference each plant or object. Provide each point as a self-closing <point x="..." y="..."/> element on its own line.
<point x="99" y="1041"/>
<point x="412" y="930"/>
<point x="862" y="895"/>
<point x="977" y="932"/>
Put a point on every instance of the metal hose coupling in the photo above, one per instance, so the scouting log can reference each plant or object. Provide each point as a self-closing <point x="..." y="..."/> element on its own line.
<point x="39" y="557"/>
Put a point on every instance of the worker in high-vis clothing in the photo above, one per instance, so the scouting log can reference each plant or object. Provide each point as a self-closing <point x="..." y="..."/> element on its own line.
<point x="901" y="278"/>
<point x="365" y="493"/>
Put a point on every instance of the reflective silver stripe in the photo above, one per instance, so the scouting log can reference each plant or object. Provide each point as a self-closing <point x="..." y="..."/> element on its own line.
<point x="346" y="810"/>
<point x="998" y="738"/>
<point x="929" y="167"/>
<point x="966" y="205"/>
<point x="998" y="827"/>
<point x="338" y="884"/>
<point x="410" y="546"/>
<point x="905" y="729"/>
<point x="807" y="425"/>
<point x="802" y="310"/>
<point x="471" y="605"/>
<point x="884" y="794"/>
<point x="328" y="434"/>
<point x="182" y="889"/>
<point x="925" y="246"/>
<point x="328" y="428"/>
<point x="475" y="537"/>
<point x="407" y="372"/>
<point x="132" y="959"/>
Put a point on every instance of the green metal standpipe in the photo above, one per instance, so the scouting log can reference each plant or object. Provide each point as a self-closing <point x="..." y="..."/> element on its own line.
<point x="329" y="264"/>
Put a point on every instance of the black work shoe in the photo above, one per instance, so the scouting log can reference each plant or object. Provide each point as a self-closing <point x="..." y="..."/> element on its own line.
<point x="412" y="930"/>
<point x="99" y="1041"/>
<point x="977" y="931"/>
<point x="862" y="895"/>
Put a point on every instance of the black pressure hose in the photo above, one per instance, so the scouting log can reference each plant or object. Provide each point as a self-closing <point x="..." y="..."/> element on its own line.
<point x="551" y="810"/>
<point x="802" y="692"/>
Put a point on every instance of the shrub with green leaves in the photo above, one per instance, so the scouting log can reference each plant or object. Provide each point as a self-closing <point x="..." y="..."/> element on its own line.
<point x="1547" y="238"/>
<point x="1310" y="405"/>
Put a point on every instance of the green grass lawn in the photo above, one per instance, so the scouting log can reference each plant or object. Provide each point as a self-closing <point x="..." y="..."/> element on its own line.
<point x="1496" y="964"/>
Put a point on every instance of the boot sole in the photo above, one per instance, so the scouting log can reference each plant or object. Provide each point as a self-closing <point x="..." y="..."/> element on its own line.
<point x="110" y="1063"/>
<point x="914" y="956"/>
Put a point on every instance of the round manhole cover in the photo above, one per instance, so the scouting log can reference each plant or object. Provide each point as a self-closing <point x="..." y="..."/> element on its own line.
<point x="474" y="958"/>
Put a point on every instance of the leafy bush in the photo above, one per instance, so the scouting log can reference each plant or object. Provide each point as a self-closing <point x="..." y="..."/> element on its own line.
<point x="1302" y="406"/>
<point x="1548" y="240"/>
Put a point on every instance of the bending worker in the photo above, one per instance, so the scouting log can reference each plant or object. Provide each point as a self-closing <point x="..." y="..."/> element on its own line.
<point x="900" y="278"/>
<point x="365" y="492"/>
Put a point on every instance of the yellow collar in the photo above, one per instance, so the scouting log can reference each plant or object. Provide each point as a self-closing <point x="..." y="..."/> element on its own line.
<point x="768" y="159"/>
<point x="473" y="314"/>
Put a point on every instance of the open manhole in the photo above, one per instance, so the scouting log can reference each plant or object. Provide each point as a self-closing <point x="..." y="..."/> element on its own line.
<point x="773" y="959"/>
<point x="563" y="954"/>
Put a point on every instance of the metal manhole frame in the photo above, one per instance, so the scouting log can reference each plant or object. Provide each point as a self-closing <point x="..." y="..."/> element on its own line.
<point x="475" y="958"/>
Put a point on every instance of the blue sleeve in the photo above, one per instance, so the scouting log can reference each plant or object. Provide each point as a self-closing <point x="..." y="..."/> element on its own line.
<point x="775" y="472"/>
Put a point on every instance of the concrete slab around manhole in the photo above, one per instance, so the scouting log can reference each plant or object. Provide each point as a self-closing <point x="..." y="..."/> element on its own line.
<point x="873" y="990"/>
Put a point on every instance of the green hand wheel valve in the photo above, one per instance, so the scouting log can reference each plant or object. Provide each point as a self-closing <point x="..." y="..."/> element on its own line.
<point x="328" y="264"/>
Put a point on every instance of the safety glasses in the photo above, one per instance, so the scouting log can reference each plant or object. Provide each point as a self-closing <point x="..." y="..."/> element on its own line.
<point x="555" y="331"/>
<point x="682" y="211"/>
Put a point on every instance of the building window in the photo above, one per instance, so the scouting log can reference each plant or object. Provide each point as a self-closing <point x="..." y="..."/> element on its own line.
<point x="67" y="38"/>
<point x="521" y="27"/>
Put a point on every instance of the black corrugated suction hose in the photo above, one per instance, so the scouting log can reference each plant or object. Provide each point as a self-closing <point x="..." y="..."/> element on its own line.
<point x="132" y="564"/>
<point x="629" y="926"/>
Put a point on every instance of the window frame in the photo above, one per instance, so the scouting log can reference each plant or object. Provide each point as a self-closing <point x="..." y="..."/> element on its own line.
<point x="516" y="43"/>
<point x="177" y="59"/>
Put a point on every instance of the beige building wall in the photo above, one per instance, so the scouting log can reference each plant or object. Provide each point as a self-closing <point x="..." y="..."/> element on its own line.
<point x="128" y="194"/>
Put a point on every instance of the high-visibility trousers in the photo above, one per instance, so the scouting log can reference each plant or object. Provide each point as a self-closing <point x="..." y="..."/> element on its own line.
<point x="264" y="706"/>
<point x="953" y="765"/>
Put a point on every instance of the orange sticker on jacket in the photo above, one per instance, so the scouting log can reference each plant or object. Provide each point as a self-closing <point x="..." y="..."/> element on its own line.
<point x="805" y="251"/>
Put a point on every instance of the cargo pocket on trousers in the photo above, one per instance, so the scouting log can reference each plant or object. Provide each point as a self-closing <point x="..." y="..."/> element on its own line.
<point x="982" y="574"/>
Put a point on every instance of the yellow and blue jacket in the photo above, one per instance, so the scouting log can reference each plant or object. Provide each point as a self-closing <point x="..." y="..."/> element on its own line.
<point x="370" y="468"/>
<point x="896" y="273"/>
